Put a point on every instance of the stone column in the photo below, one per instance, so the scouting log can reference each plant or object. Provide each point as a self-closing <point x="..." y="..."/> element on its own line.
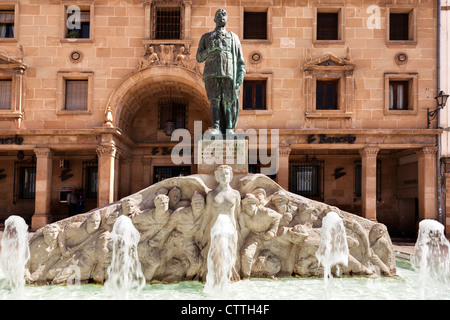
<point x="147" y="163"/>
<point x="369" y="182"/>
<point x="42" y="216"/>
<point x="283" y="167"/>
<point x="427" y="184"/>
<point x="106" y="173"/>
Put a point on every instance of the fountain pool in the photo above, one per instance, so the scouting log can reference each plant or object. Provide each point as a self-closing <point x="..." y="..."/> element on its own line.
<point x="404" y="286"/>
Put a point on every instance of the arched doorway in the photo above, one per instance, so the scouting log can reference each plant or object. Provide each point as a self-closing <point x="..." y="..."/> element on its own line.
<point x="140" y="105"/>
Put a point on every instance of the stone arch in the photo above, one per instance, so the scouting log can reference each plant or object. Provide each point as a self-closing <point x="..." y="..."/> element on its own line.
<point x="154" y="82"/>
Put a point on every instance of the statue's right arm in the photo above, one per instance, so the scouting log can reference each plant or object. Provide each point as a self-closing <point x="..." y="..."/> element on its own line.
<point x="203" y="49"/>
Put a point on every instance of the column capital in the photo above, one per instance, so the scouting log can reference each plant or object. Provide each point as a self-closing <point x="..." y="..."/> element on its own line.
<point x="106" y="150"/>
<point x="147" y="161"/>
<point x="43" y="152"/>
<point x="369" y="151"/>
<point x="284" y="151"/>
<point x="426" y="151"/>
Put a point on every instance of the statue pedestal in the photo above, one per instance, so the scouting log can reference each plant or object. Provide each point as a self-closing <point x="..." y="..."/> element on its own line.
<point x="232" y="151"/>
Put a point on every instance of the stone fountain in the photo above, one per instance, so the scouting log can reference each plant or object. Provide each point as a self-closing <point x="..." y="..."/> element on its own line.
<point x="276" y="233"/>
<point x="246" y="224"/>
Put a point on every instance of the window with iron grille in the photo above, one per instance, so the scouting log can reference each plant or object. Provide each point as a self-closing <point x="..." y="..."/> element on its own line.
<point x="307" y="178"/>
<point x="255" y="25"/>
<point x="90" y="179"/>
<point x="167" y="23"/>
<point x="6" y="24"/>
<point x="172" y="110"/>
<point x="399" y="26"/>
<point x="327" y="25"/>
<point x="25" y="180"/>
<point x="5" y="94"/>
<point x="162" y="173"/>
<point x="84" y="31"/>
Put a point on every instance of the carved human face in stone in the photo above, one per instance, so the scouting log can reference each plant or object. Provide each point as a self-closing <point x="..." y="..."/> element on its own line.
<point x="198" y="204"/>
<point x="174" y="196"/>
<point x="128" y="207"/>
<point x="93" y="222"/>
<point x="224" y="175"/>
<point x="280" y="204"/>
<point x="111" y="218"/>
<point x="51" y="232"/>
<point x="250" y="207"/>
<point x="162" y="202"/>
<point x="221" y="18"/>
<point x="260" y="194"/>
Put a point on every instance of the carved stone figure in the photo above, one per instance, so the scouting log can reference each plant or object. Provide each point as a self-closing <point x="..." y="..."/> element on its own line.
<point x="257" y="224"/>
<point x="223" y="73"/>
<point x="178" y="238"/>
<point x="273" y="240"/>
<point x="44" y="254"/>
<point x="182" y="58"/>
<point x="221" y="200"/>
<point x="149" y="223"/>
<point x="150" y="58"/>
<point x="78" y="244"/>
<point x="267" y="265"/>
<point x="382" y="255"/>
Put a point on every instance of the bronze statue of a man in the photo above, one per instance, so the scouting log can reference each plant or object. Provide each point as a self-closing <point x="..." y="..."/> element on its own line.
<point x="223" y="74"/>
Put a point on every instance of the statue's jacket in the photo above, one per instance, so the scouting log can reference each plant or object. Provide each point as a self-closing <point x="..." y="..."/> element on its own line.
<point x="228" y="62"/>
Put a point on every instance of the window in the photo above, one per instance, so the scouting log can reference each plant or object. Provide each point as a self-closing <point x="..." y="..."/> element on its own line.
<point x="6" y="24"/>
<point x="327" y="95"/>
<point x="162" y="173"/>
<point x="25" y="180"/>
<point x="74" y="92"/>
<point x="255" y="25"/>
<point x="307" y="178"/>
<point x="77" y="21"/>
<point x="76" y="95"/>
<point x="168" y="20"/>
<point x="78" y="26"/>
<point x="398" y="95"/>
<point x="167" y="23"/>
<point x="401" y="25"/>
<point x="327" y="25"/>
<point x="5" y="94"/>
<point x="401" y="93"/>
<point x="171" y="110"/>
<point x="254" y="95"/>
<point x="90" y="179"/>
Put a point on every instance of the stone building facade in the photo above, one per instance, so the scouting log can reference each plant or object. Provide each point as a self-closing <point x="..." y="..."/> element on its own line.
<point x="346" y="82"/>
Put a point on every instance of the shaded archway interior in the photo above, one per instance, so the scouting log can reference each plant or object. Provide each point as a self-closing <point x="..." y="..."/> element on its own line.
<point x="139" y="106"/>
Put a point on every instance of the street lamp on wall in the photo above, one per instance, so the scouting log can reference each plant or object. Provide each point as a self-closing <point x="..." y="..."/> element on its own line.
<point x="441" y="101"/>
